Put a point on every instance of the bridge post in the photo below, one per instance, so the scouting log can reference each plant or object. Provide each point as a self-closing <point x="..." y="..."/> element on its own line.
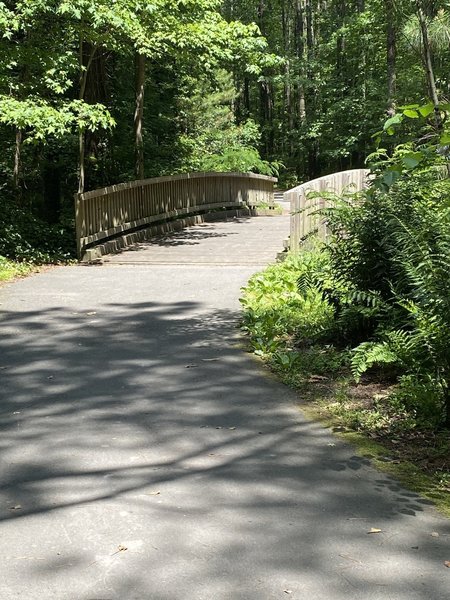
<point x="79" y="223"/>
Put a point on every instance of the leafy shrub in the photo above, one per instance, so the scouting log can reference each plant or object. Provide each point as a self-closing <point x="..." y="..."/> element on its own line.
<point x="381" y="285"/>
<point x="276" y="313"/>
<point x="422" y="397"/>
<point x="24" y="237"/>
<point x="240" y="159"/>
<point x="395" y="246"/>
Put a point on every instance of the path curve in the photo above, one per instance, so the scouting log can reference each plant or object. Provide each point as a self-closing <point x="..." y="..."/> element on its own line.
<point x="146" y="456"/>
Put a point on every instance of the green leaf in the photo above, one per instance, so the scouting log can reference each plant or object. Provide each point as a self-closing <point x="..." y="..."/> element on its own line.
<point x="412" y="159"/>
<point x="426" y="109"/>
<point x="412" y="114"/>
<point x="391" y="176"/>
<point x="444" y="139"/>
<point x="395" y="120"/>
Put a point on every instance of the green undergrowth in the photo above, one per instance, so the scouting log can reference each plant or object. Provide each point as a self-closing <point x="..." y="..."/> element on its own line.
<point x="265" y="206"/>
<point x="294" y="329"/>
<point x="27" y="238"/>
<point x="10" y="269"/>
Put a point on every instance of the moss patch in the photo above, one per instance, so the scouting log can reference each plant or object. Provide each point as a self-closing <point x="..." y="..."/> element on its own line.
<point x="410" y="461"/>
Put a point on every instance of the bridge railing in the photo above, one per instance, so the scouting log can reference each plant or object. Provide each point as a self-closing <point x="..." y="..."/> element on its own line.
<point x="112" y="212"/>
<point x="304" y="221"/>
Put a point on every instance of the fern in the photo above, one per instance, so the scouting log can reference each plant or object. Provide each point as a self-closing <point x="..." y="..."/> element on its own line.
<point x="371" y="299"/>
<point x="305" y="283"/>
<point x="368" y="354"/>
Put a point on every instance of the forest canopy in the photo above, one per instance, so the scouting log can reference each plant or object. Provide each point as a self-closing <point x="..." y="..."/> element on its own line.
<point x="95" y="92"/>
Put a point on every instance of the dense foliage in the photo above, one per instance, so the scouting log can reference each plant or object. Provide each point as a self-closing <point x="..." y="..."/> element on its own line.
<point x="383" y="274"/>
<point x="92" y="93"/>
<point x="346" y="63"/>
<point x="71" y="118"/>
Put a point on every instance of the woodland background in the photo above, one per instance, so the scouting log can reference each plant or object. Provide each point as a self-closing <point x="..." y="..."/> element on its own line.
<point x="94" y="93"/>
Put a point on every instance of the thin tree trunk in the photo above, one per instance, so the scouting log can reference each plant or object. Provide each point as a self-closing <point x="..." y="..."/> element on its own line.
<point x="300" y="29"/>
<point x="428" y="64"/>
<point x="391" y="56"/>
<point x="313" y="150"/>
<point x="288" y="103"/>
<point x="340" y="43"/>
<point x="18" y="163"/>
<point x="310" y="39"/>
<point x="139" y="116"/>
<point x="301" y="103"/>
<point x="84" y="70"/>
<point x="81" y="160"/>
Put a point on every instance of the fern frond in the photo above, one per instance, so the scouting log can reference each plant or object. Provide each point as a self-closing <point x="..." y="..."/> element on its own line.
<point x="305" y="283"/>
<point x="368" y="354"/>
<point x="366" y="298"/>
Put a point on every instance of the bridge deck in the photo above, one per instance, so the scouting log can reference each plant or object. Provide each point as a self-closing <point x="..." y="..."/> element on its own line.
<point x="238" y="241"/>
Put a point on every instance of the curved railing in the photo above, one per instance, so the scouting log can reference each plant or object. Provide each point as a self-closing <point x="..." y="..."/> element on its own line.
<point x="304" y="218"/>
<point x="108" y="215"/>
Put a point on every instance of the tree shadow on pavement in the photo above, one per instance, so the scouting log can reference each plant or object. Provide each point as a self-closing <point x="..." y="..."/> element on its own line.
<point x="144" y="455"/>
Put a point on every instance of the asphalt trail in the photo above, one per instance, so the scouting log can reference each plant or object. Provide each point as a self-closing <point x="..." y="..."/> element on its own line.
<point x="145" y="455"/>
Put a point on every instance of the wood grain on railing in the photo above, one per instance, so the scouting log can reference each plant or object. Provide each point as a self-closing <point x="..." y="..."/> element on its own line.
<point x="112" y="211"/>
<point x="304" y="217"/>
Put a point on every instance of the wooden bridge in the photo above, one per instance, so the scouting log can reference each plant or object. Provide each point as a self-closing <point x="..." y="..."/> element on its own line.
<point x="112" y="218"/>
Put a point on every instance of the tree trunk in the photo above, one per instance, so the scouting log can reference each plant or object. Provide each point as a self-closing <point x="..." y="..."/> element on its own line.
<point x="310" y="38"/>
<point x="391" y="56"/>
<point x="313" y="149"/>
<point x="428" y="64"/>
<point x="300" y="47"/>
<point x="17" y="172"/>
<point x="288" y="100"/>
<point x="81" y="160"/>
<point x="139" y="116"/>
<point x="340" y="44"/>
<point x="84" y="71"/>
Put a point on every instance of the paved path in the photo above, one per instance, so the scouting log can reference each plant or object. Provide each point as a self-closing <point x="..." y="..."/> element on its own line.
<point x="145" y="456"/>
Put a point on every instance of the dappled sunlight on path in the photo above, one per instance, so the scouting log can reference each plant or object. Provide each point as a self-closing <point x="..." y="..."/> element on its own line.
<point x="145" y="455"/>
